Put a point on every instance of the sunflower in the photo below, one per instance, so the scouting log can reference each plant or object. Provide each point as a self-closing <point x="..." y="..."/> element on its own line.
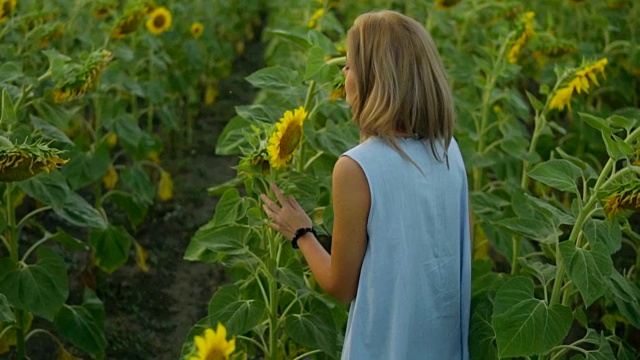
<point x="446" y="4"/>
<point x="580" y="82"/>
<point x="127" y="24"/>
<point x="286" y="138"/>
<point x="86" y="77"/>
<point x="103" y="9"/>
<point x="213" y="345"/>
<point x="313" y="22"/>
<point x="525" y="34"/>
<point x="196" y="29"/>
<point x="22" y="161"/>
<point x="623" y="197"/>
<point x="6" y="9"/>
<point x="159" y="21"/>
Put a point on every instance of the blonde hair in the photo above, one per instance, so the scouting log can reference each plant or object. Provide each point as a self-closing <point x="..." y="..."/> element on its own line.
<point x="401" y="82"/>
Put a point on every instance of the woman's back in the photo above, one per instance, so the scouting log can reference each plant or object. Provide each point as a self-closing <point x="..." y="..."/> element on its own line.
<point x="413" y="294"/>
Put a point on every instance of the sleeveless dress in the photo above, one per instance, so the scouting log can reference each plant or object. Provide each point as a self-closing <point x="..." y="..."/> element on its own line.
<point x="414" y="293"/>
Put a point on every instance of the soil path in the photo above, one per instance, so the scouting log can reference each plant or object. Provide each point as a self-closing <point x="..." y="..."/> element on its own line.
<point x="149" y="315"/>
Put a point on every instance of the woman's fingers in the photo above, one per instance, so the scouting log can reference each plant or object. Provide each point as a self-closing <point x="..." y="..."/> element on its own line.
<point x="279" y="195"/>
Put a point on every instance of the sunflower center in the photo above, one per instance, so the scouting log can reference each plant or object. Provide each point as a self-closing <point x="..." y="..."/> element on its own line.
<point x="159" y="21"/>
<point x="215" y="354"/>
<point x="290" y="140"/>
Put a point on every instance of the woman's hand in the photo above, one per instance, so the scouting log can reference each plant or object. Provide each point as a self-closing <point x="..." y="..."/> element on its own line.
<point x="286" y="217"/>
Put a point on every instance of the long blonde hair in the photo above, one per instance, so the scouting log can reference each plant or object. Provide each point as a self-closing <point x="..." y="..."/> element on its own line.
<point x="401" y="82"/>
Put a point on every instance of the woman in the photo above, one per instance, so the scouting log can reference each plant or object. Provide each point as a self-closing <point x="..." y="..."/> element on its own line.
<point x="401" y="245"/>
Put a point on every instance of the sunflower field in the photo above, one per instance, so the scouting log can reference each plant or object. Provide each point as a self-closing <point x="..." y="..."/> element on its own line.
<point x="100" y="98"/>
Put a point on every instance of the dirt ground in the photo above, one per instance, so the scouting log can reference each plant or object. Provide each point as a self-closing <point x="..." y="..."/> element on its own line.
<point x="150" y="314"/>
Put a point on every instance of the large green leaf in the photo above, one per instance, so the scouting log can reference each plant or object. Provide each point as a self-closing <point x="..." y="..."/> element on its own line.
<point x="110" y="247"/>
<point x="482" y="338"/>
<point x="137" y="180"/>
<point x="41" y="288"/>
<point x="49" y="131"/>
<point x="297" y="39"/>
<point x="6" y="315"/>
<point x="597" y="123"/>
<point x="133" y="207"/>
<point x="237" y="314"/>
<point x="606" y="233"/>
<point x="315" y="329"/>
<point x="86" y="167"/>
<point x="623" y="288"/>
<point x="78" y="211"/>
<point x="603" y="350"/>
<point x="78" y="326"/>
<point x="233" y="138"/>
<point x="589" y="270"/>
<point x="259" y="112"/>
<point x="545" y="273"/>
<point x="229" y="240"/>
<point x="10" y="71"/>
<point x="274" y="78"/>
<point x="51" y="188"/>
<point x="524" y="325"/>
<point x="556" y="215"/>
<point x="542" y="231"/>
<point x="559" y="174"/>
<point x="230" y="208"/>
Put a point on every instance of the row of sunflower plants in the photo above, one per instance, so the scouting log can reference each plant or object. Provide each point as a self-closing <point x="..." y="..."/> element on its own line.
<point x="548" y="124"/>
<point x="550" y="142"/>
<point x="292" y="135"/>
<point x="92" y="88"/>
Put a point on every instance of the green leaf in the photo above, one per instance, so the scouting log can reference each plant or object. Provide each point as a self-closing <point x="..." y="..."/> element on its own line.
<point x="606" y="233"/>
<point x="622" y="122"/>
<point x="556" y="215"/>
<point x="134" y="208"/>
<point x="138" y="182"/>
<point x="297" y="39"/>
<point x="603" y="352"/>
<point x="230" y="208"/>
<point x="41" y="288"/>
<point x="67" y="241"/>
<point x="559" y="174"/>
<point x="588" y="270"/>
<point x="291" y="274"/>
<point x="315" y="62"/>
<point x="537" y="104"/>
<point x="49" y="131"/>
<point x="616" y="147"/>
<point x="77" y="325"/>
<point x="79" y="212"/>
<point x="541" y="231"/>
<point x="597" y="123"/>
<point x="10" y="71"/>
<point x="50" y="189"/>
<point x="6" y="315"/>
<point x="314" y="329"/>
<point x="524" y="325"/>
<point x="587" y="170"/>
<point x="233" y="138"/>
<point x="237" y="314"/>
<point x="545" y="273"/>
<point x="85" y="168"/>
<point x="259" y="112"/>
<point x="275" y="78"/>
<point x="623" y="288"/>
<point x="229" y="240"/>
<point x="482" y="338"/>
<point x="8" y="116"/>
<point x="110" y="247"/>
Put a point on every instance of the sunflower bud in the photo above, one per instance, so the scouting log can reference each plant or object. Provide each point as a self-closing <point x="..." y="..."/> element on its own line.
<point x="85" y="77"/>
<point x="6" y="9"/>
<point x="22" y="161"/>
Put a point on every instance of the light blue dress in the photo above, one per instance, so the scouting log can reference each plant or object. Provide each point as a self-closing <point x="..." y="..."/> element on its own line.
<point x="414" y="294"/>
